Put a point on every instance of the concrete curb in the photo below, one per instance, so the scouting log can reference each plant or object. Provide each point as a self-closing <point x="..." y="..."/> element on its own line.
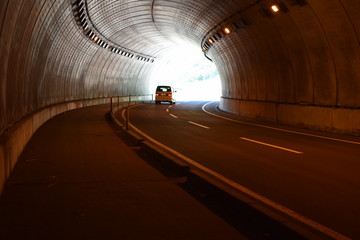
<point x="167" y="160"/>
<point x="278" y="225"/>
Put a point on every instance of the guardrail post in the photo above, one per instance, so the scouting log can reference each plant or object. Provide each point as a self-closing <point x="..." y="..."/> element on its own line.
<point x="127" y="118"/>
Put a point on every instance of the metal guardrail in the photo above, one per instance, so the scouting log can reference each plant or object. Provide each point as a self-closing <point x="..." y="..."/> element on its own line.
<point x="116" y="101"/>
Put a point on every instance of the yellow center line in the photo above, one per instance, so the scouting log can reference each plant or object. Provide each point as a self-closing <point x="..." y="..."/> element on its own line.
<point x="270" y="145"/>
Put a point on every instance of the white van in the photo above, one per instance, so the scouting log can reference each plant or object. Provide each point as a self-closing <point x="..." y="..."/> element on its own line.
<point x="164" y="94"/>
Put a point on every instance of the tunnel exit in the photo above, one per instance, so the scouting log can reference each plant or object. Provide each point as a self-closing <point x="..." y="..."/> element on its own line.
<point x="191" y="74"/>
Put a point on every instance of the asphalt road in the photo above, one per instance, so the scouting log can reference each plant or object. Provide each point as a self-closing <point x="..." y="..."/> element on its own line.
<point x="314" y="174"/>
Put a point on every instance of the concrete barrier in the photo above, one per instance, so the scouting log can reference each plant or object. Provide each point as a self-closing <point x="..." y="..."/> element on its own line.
<point x="329" y="119"/>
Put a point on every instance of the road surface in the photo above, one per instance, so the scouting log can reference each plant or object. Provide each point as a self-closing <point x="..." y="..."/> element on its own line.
<point x="312" y="173"/>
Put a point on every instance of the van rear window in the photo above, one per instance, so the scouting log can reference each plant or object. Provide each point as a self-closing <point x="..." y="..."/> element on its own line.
<point x="163" y="89"/>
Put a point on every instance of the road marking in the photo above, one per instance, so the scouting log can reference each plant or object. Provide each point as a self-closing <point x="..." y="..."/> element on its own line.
<point x="288" y="212"/>
<point x="173" y="115"/>
<point x="167" y="110"/>
<point x="279" y="129"/>
<point x="270" y="145"/>
<point x="199" y="125"/>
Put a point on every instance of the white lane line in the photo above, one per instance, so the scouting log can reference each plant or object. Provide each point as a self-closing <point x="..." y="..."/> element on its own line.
<point x="174" y="116"/>
<point x="270" y="145"/>
<point x="279" y="129"/>
<point x="167" y="110"/>
<point x="199" y="125"/>
<point x="302" y="219"/>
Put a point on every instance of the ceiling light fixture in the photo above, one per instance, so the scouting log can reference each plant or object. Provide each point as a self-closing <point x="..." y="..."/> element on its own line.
<point x="227" y="30"/>
<point x="275" y="8"/>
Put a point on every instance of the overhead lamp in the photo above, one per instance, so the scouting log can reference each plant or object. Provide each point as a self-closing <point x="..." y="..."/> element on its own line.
<point x="211" y="41"/>
<point x="227" y="30"/>
<point x="275" y="8"/>
<point x="279" y="7"/>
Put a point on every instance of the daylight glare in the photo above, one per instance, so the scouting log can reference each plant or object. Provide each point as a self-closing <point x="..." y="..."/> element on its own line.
<point x="192" y="75"/>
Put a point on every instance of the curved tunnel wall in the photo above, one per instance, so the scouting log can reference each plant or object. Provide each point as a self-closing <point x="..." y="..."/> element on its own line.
<point x="299" y="67"/>
<point x="295" y="67"/>
<point x="279" y="68"/>
<point x="45" y="60"/>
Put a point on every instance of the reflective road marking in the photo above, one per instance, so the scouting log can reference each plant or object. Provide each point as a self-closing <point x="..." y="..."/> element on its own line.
<point x="288" y="212"/>
<point x="199" y="125"/>
<point x="270" y="145"/>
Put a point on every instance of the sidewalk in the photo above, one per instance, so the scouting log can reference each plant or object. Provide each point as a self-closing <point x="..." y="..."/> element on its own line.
<point x="76" y="179"/>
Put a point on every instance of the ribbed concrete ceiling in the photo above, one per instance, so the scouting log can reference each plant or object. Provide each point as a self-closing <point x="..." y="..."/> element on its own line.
<point x="153" y="26"/>
<point x="272" y="65"/>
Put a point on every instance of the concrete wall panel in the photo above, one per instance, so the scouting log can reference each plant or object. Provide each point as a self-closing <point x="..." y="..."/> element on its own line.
<point x="344" y="45"/>
<point x="339" y="120"/>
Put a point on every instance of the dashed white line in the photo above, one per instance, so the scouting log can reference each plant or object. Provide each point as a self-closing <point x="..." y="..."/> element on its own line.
<point x="199" y="125"/>
<point x="271" y="145"/>
<point x="174" y="116"/>
<point x="315" y="225"/>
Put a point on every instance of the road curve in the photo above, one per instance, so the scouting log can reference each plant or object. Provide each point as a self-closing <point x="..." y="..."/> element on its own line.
<point x="311" y="173"/>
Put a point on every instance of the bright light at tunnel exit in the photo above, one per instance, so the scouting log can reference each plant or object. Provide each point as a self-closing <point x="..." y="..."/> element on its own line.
<point x="192" y="75"/>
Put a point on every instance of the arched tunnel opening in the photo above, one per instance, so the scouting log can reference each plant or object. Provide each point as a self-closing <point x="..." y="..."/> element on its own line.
<point x="292" y="63"/>
<point x="190" y="73"/>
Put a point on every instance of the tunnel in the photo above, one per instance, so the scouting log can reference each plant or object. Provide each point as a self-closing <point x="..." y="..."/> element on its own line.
<point x="292" y="62"/>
